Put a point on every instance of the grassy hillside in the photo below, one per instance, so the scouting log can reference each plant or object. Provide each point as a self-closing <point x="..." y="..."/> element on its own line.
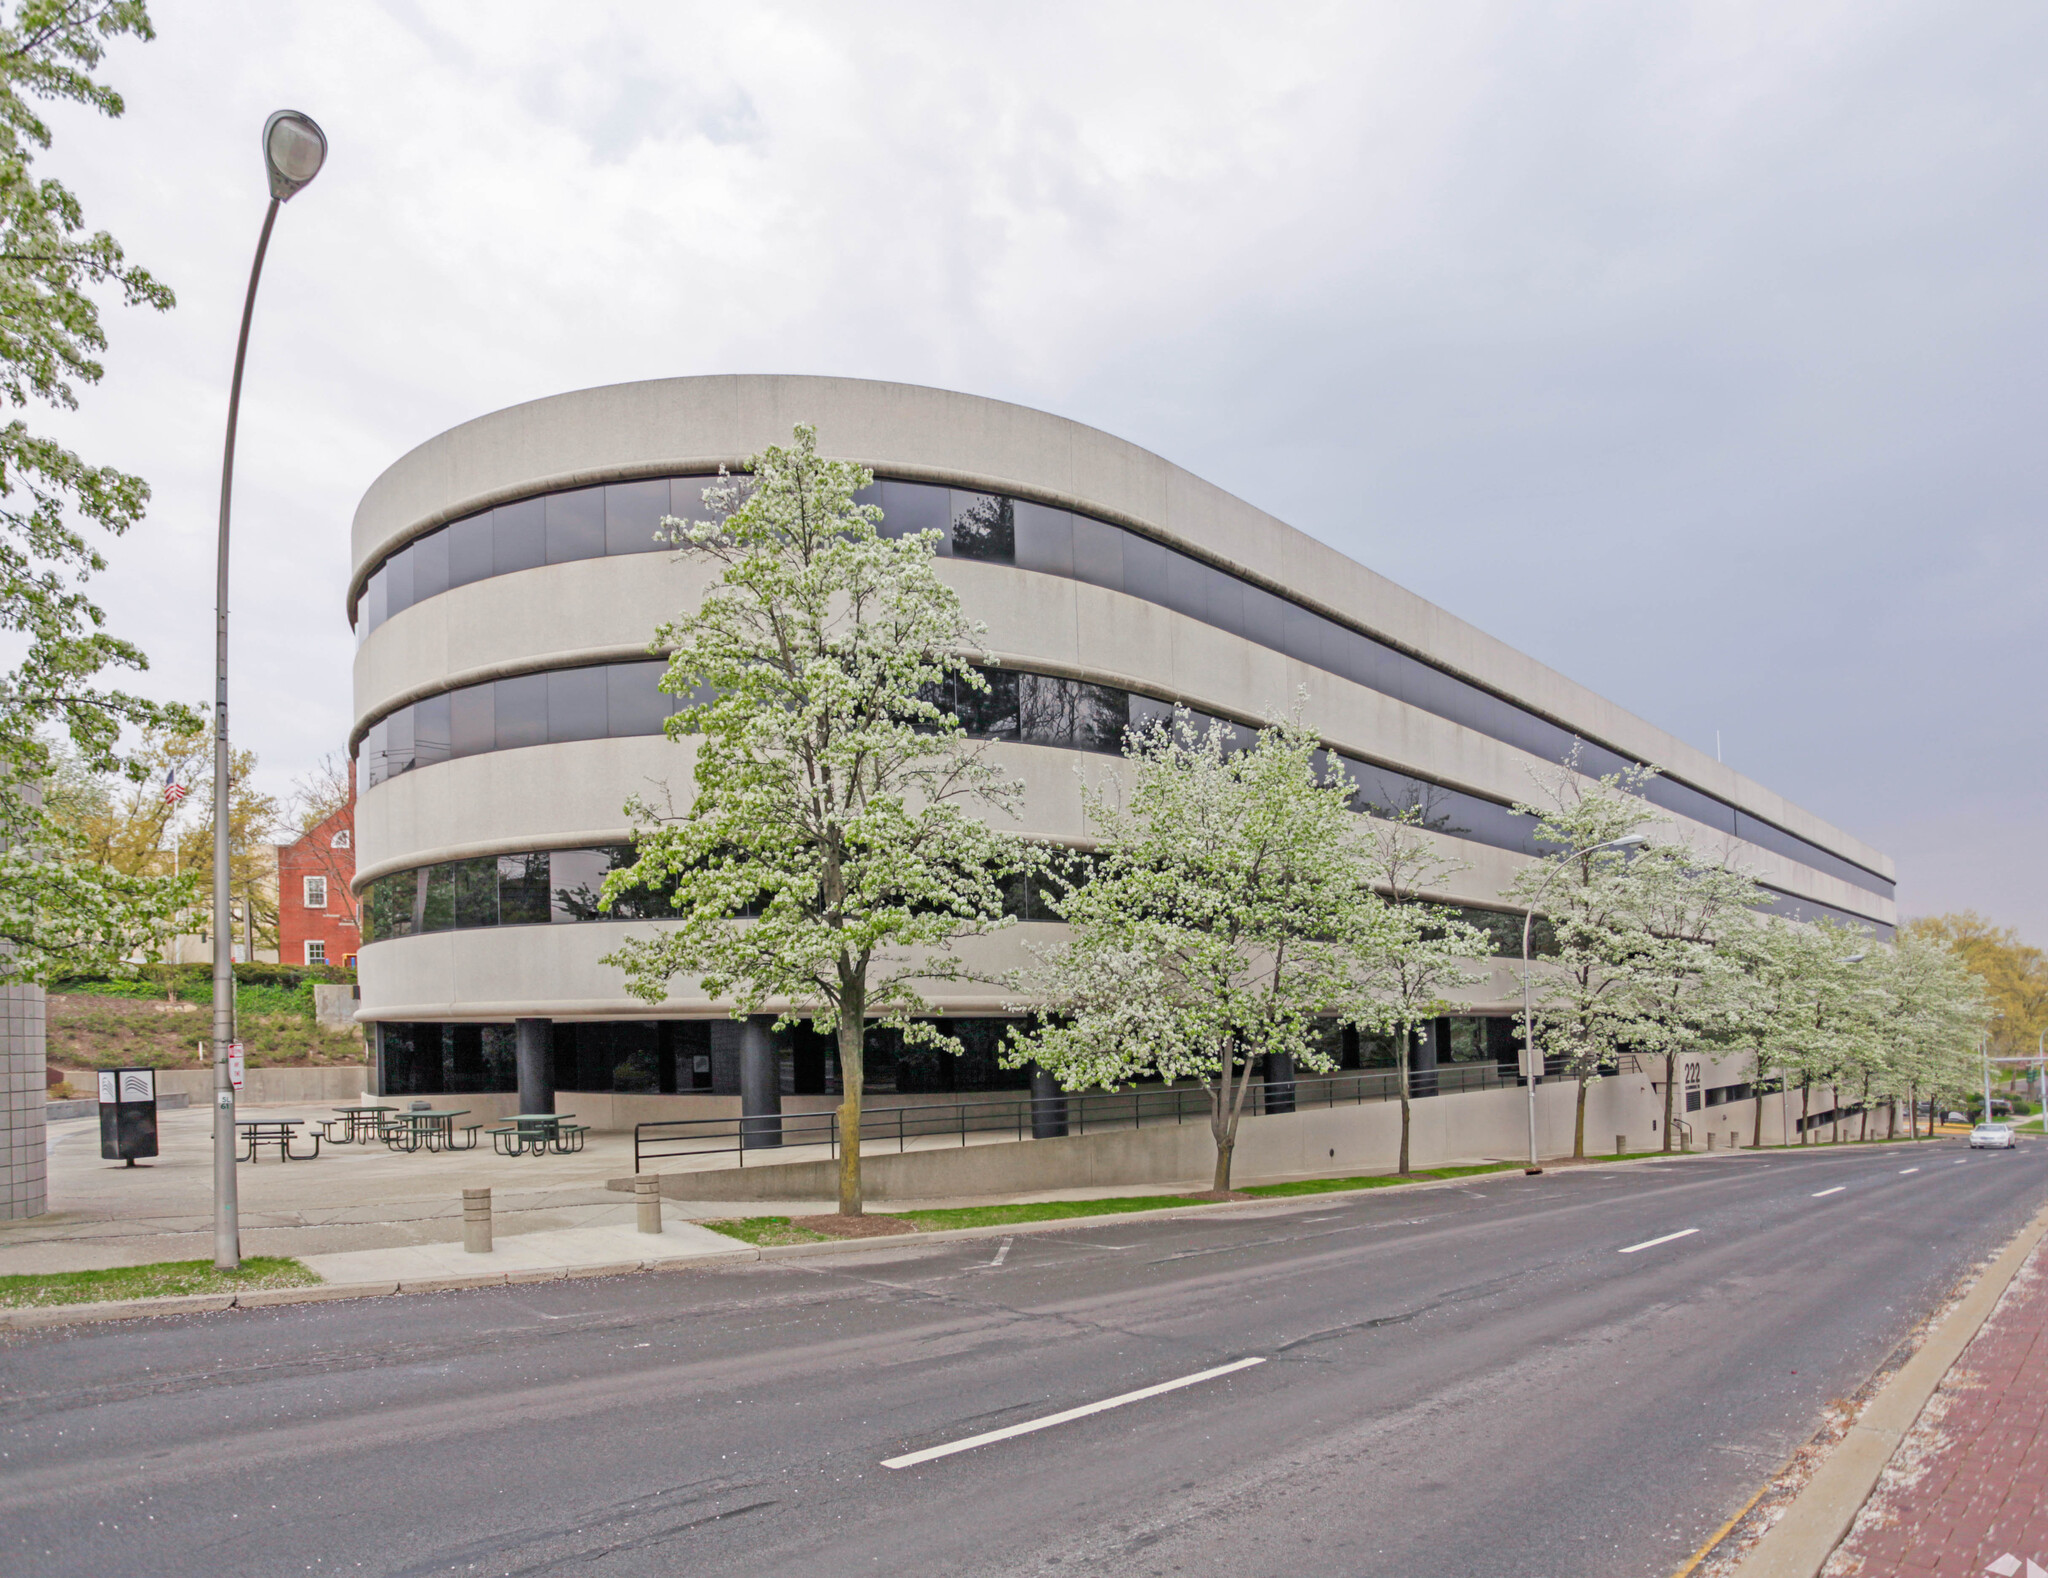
<point x="165" y="1024"/>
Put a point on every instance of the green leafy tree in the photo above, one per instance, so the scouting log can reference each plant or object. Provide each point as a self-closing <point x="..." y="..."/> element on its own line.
<point x="1587" y="991"/>
<point x="60" y="914"/>
<point x="1227" y="917"/>
<point x="835" y="793"/>
<point x="1424" y="949"/>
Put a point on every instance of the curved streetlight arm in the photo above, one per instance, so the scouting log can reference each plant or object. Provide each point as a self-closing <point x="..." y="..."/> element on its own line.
<point x="1532" y="1066"/>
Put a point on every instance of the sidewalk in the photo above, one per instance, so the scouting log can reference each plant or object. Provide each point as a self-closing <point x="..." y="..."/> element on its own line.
<point x="1966" y="1492"/>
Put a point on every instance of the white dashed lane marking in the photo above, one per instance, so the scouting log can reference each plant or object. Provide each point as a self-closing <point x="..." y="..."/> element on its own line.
<point x="1652" y="1243"/>
<point x="969" y="1443"/>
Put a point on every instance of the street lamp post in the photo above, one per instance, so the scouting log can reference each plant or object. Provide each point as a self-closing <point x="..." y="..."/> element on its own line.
<point x="294" y="148"/>
<point x="1532" y="1063"/>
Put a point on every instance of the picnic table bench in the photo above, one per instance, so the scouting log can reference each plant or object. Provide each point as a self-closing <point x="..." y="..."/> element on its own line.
<point x="277" y="1132"/>
<point x="409" y="1131"/>
<point x="535" y="1133"/>
<point x="358" y="1125"/>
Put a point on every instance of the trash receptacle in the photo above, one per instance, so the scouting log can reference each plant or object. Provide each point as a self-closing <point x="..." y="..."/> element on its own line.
<point x="128" y="1114"/>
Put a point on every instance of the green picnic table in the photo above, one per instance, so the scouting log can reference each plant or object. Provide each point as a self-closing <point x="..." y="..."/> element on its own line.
<point x="408" y="1131"/>
<point x="357" y="1124"/>
<point x="535" y="1133"/>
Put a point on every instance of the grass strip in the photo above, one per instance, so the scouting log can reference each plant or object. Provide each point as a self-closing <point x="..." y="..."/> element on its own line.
<point x="773" y="1230"/>
<point x="766" y="1232"/>
<point x="165" y="1278"/>
<point x="1040" y="1211"/>
<point x="1281" y="1191"/>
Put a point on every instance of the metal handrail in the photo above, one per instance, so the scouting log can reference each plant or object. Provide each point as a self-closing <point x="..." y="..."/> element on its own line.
<point x="1073" y="1113"/>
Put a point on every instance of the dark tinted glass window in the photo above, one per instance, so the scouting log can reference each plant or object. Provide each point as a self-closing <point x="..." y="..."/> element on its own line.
<point x="909" y="507"/>
<point x="523" y="889"/>
<point x="519" y="537"/>
<point x="991" y="712"/>
<point x="575" y="525"/>
<point x="521" y="706"/>
<point x="633" y="702"/>
<point x="1099" y="553"/>
<point x="388" y="906"/>
<point x="632" y="515"/>
<point x="1145" y="568"/>
<point x="398" y="582"/>
<point x="1045" y="538"/>
<point x="438" y="910"/>
<point x="398" y="743"/>
<point x="472" y="720"/>
<point x="686" y="499"/>
<point x="637" y="903"/>
<point x="370" y="754"/>
<point x="576" y="708"/>
<point x="1100" y="715"/>
<point x="430" y="733"/>
<point x="476" y="891"/>
<point x="1045" y="708"/>
<point x="429" y="566"/>
<point x="577" y="877"/>
<point x="636" y="1067"/>
<point x="471" y="556"/>
<point x="374" y="609"/>
<point x="983" y="527"/>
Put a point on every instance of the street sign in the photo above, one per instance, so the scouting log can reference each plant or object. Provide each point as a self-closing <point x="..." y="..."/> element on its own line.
<point x="235" y="1064"/>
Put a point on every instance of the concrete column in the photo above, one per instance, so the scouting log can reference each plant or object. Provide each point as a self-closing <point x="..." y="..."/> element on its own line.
<point x="760" y="1084"/>
<point x="24" y="1148"/>
<point x="1279" y="1083"/>
<point x="534" y="1050"/>
<point x="1423" y="1059"/>
<point x="1048" y="1106"/>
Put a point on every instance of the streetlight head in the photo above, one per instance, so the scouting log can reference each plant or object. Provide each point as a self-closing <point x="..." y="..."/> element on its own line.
<point x="1854" y="958"/>
<point x="1626" y="841"/>
<point x="294" y="148"/>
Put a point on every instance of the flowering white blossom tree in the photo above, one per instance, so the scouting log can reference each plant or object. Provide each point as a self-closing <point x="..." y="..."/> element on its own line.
<point x="1227" y="917"/>
<point x="835" y="801"/>
<point x="1687" y="984"/>
<point x="1425" y="946"/>
<point x="1590" y="896"/>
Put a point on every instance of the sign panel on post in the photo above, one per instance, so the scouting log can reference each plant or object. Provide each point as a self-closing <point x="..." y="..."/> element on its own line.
<point x="127" y="1114"/>
<point x="235" y="1064"/>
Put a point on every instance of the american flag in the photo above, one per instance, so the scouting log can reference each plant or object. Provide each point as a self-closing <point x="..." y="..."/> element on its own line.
<point x="173" y="790"/>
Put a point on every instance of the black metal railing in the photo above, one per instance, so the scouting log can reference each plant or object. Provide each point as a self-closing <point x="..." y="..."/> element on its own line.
<point x="1024" y="1116"/>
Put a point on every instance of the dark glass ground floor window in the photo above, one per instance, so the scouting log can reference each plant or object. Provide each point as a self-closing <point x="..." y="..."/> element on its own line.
<point x="648" y="1057"/>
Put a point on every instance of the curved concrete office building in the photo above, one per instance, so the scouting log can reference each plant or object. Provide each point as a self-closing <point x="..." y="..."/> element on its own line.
<point x="507" y="580"/>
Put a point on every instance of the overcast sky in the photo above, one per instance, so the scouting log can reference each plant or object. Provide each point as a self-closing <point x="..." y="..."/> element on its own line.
<point x="1695" y="349"/>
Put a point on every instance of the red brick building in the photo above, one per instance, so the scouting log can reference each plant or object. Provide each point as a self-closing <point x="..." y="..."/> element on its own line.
<point x="317" y="921"/>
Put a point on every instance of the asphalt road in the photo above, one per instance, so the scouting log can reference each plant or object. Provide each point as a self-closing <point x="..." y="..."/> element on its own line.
<point x="1467" y="1381"/>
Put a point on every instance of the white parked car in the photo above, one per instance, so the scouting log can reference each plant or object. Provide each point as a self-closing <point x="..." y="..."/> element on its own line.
<point x="1992" y="1137"/>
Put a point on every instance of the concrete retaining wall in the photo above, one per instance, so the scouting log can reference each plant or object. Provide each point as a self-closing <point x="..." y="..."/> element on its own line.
<point x="1444" y="1130"/>
<point x="270" y="1086"/>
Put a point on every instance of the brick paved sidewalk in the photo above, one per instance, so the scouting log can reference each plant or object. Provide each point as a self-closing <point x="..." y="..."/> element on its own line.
<point x="1966" y="1493"/>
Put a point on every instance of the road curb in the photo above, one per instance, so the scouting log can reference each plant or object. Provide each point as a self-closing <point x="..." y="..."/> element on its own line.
<point x="41" y="1317"/>
<point x="1821" y="1514"/>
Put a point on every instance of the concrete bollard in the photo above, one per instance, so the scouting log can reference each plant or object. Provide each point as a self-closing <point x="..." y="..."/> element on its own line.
<point x="1711" y="1137"/>
<point x="1621" y="1145"/>
<point x="476" y="1221"/>
<point x="647" y="1202"/>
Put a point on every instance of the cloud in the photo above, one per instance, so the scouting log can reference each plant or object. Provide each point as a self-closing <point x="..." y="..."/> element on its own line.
<point x="1694" y="349"/>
